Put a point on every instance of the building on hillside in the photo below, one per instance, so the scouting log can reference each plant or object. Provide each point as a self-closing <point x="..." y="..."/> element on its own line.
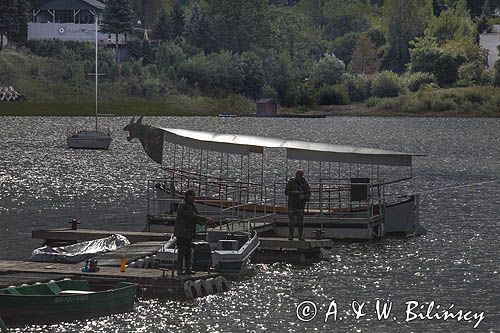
<point x="68" y="20"/>
<point x="491" y="41"/>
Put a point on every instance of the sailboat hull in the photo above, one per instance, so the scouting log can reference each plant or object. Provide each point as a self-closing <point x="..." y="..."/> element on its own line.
<point x="90" y="140"/>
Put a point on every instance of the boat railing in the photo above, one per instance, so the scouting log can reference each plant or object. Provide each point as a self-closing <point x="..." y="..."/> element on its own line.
<point x="235" y="200"/>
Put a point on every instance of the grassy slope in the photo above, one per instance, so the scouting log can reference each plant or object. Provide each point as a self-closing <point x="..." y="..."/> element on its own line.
<point x="39" y="79"/>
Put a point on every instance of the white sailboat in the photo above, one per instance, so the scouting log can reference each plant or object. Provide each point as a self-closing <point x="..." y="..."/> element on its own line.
<point x="92" y="139"/>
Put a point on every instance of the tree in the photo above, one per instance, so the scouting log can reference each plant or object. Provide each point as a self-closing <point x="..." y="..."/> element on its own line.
<point x="487" y="9"/>
<point x="147" y="11"/>
<point x="8" y="21"/>
<point x="177" y="19"/>
<point x="118" y="16"/>
<point x="198" y="29"/>
<point x="328" y="70"/>
<point x="163" y="29"/>
<point x="364" y="57"/>
<point x="20" y="33"/>
<point x="239" y="25"/>
<point x="403" y="21"/>
<point x="452" y="25"/>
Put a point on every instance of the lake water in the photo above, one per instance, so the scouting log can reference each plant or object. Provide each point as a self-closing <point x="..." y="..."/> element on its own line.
<point x="457" y="264"/>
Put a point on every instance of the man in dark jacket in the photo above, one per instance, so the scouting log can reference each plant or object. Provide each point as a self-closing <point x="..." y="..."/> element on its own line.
<point x="184" y="229"/>
<point x="298" y="192"/>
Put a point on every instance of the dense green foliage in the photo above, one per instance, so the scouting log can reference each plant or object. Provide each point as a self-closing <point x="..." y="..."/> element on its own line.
<point x="316" y="52"/>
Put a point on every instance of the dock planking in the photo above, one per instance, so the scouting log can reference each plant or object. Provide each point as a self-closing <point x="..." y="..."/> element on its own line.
<point x="131" y="252"/>
<point x="284" y="243"/>
<point x="68" y="234"/>
<point x="153" y="283"/>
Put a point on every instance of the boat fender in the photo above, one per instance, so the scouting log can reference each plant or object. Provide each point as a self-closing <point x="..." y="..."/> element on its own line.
<point x="147" y="262"/>
<point x="209" y="285"/>
<point x="222" y="284"/>
<point x="188" y="289"/>
<point x="201" y="286"/>
<point x="140" y="263"/>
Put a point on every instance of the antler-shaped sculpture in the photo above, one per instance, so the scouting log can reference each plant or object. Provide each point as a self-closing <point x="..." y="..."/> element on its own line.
<point x="151" y="138"/>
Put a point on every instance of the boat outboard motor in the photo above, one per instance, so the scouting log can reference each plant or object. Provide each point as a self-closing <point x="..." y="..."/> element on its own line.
<point x="202" y="256"/>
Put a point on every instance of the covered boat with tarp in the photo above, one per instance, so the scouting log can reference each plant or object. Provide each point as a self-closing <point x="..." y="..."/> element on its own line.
<point x="79" y="252"/>
<point x="357" y="192"/>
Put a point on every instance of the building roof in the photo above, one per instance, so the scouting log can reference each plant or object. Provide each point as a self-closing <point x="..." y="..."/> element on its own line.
<point x="265" y="101"/>
<point x="295" y="149"/>
<point x="61" y="5"/>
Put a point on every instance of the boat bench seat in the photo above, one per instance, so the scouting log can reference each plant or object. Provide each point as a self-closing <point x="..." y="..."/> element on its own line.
<point x="13" y="291"/>
<point x="54" y="288"/>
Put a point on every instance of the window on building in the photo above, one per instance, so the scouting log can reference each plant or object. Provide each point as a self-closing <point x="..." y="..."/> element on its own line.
<point x="85" y="17"/>
<point x="64" y="16"/>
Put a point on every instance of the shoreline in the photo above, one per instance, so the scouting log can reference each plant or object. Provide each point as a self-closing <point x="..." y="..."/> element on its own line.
<point x="157" y="108"/>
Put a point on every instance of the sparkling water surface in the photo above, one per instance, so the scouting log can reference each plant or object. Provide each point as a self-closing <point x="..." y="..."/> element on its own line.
<point x="44" y="185"/>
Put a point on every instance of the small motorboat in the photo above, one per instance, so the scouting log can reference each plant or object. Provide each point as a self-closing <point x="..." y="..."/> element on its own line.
<point x="65" y="300"/>
<point x="225" y="252"/>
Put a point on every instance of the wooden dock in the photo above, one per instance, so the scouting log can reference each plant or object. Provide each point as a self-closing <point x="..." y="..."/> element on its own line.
<point x="155" y="283"/>
<point x="68" y="234"/>
<point x="132" y="252"/>
<point x="275" y="249"/>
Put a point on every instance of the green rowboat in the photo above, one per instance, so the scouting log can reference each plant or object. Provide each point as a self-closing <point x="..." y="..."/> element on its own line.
<point x="63" y="301"/>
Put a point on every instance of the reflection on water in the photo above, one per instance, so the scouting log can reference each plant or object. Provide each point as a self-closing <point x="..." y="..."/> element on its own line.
<point x="43" y="184"/>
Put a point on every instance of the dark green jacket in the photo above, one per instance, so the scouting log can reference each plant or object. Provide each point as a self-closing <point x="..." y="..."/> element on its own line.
<point x="186" y="220"/>
<point x="297" y="201"/>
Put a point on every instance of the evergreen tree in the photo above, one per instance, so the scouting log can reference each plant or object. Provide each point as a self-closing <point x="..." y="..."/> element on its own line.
<point x="118" y="16"/>
<point x="177" y="19"/>
<point x="163" y="28"/>
<point x="194" y="19"/>
<point x="8" y="19"/>
<point x="20" y="34"/>
<point x="364" y="57"/>
<point x="487" y="9"/>
<point x="198" y="30"/>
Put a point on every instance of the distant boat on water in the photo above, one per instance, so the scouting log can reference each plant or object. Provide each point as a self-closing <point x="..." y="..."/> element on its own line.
<point x="91" y="139"/>
<point x="226" y="114"/>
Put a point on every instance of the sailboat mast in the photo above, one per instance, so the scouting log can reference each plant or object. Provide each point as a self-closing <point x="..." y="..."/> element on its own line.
<point x="96" y="73"/>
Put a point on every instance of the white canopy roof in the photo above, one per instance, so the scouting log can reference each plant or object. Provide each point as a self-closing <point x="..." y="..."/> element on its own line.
<point x="296" y="149"/>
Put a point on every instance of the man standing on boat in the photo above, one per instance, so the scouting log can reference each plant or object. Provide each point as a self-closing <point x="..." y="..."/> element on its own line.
<point x="298" y="192"/>
<point x="184" y="229"/>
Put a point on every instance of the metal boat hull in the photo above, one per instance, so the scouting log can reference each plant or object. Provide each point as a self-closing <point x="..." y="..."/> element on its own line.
<point x="90" y="140"/>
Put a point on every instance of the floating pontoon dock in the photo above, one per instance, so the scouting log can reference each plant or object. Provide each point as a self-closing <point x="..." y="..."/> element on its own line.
<point x="155" y="283"/>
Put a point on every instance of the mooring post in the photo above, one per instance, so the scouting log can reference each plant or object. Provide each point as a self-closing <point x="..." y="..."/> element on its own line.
<point x="74" y="224"/>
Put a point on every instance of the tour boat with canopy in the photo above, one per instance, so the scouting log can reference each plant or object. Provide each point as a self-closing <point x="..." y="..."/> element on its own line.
<point x="357" y="193"/>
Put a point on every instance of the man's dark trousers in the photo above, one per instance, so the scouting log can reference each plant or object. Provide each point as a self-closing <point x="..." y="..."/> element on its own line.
<point x="183" y="254"/>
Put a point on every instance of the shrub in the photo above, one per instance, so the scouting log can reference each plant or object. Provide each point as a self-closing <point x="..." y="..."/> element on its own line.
<point x="335" y="94"/>
<point x="416" y="80"/>
<point x="170" y="54"/>
<point x="328" y="70"/>
<point x="150" y="88"/>
<point x="125" y="70"/>
<point x="355" y="86"/>
<point x="471" y="73"/>
<point x="496" y="74"/>
<point x="307" y="94"/>
<point x="268" y="92"/>
<point x="387" y="84"/>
